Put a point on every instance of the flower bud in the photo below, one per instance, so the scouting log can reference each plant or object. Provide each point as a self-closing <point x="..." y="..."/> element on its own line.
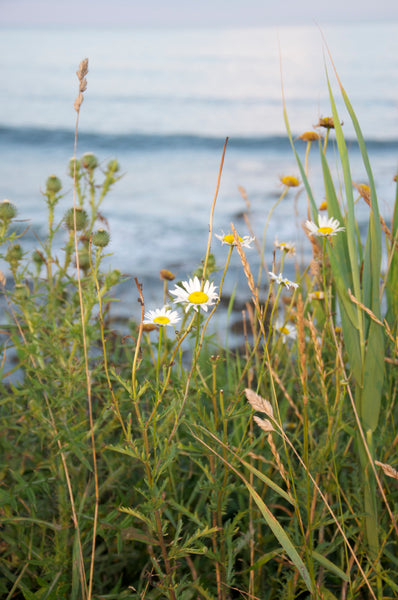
<point x="100" y="238"/>
<point x="81" y="219"/>
<point x="7" y="211"/>
<point x="53" y="185"/>
<point x="89" y="161"/>
<point x="84" y="259"/>
<point x="74" y="163"/>
<point x="21" y="291"/>
<point x="14" y="254"/>
<point x="113" y="166"/>
<point x="38" y="258"/>
<point x="112" y="278"/>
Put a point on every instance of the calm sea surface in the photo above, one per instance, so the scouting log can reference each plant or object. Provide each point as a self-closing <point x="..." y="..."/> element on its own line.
<point x="162" y="102"/>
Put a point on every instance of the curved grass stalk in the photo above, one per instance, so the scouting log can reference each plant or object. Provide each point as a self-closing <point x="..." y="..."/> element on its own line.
<point x="81" y="74"/>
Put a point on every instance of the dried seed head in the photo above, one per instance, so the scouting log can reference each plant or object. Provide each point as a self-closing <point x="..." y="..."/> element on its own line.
<point x="148" y="327"/>
<point x="259" y="403"/>
<point x="387" y="469"/>
<point x="363" y="190"/>
<point x="81" y="75"/>
<point x="309" y="136"/>
<point x="264" y="424"/>
<point x="167" y="275"/>
<point x="327" y="123"/>
<point x="83" y="69"/>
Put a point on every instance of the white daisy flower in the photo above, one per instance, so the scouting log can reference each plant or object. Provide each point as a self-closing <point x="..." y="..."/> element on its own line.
<point x="285" y="330"/>
<point x="280" y="280"/>
<point x="327" y="226"/>
<point x="161" y="316"/>
<point x="191" y="293"/>
<point x="286" y="247"/>
<point x="317" y="295"/>
<point x="230" y="240"/>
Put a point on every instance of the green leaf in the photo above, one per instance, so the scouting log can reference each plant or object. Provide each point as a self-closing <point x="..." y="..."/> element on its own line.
<point x="281" y="536"/>
<point x="325" y="562"/>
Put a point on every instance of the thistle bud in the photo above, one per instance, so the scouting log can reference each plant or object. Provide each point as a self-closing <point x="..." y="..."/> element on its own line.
<point x="38" y="258"/>
<point x="81" y="219"/>
<point x="100" y="238"/>
<point x="84" y="260"/>
<point x="74" y="164"/>
<point x="7" y="211"/>
<point x="53" y="185"/>
<point x="112" y="278"/>
<point x="89" y="161"/>
<point x="113" y="166"/>
<point x="14" y="254"/>
<point x="21" y="291"/>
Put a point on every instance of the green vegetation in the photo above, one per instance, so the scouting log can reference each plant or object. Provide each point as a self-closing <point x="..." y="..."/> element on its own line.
<point x="164" y="464"/>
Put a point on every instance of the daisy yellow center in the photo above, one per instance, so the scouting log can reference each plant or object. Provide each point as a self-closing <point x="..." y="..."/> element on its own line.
<point x="229" y="239"/>
<point x="325" y="230"/>
<point x="198" y="297"/>
<point x="161" y="320"/>
<point x="284" y="330"/>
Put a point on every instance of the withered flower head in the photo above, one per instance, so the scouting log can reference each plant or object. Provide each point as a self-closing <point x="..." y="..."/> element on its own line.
<point x="309" y="136"/>
<point x="166" y="275"/>
<point x="290" y="181"/>
<point x="327" y="123"/>
<point x="363" y="190"/>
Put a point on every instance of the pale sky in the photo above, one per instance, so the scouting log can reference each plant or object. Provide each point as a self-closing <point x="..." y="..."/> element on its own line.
<point x="158" y="13"/>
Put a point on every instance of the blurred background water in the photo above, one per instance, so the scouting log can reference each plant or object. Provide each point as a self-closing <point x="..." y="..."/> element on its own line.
<point x="162" y="102"/>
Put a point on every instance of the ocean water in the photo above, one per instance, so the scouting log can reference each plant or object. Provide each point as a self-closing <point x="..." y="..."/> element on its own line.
<point x="163" y="102"/>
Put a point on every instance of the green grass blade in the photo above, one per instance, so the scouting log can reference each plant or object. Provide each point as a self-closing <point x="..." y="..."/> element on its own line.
<point x="329" y="565"/>
<point x="281" y="536"/>
<point x="269" y="518"/>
